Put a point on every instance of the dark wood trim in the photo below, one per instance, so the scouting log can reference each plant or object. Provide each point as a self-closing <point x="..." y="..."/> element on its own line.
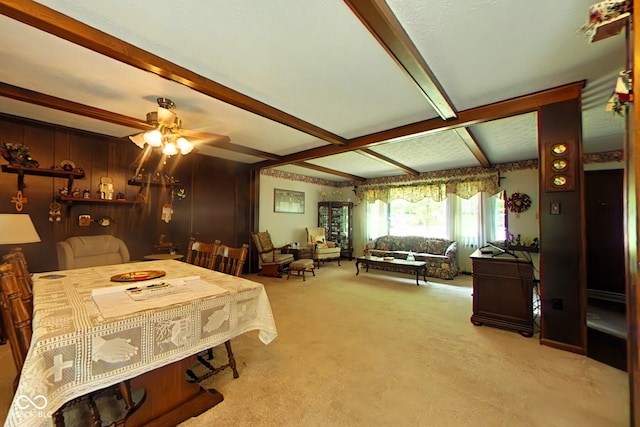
<point x="379" y="19"/>
<point x="498" y="110"/>
<point x="65" y="27"/>
<point x="563" y="346"/>
<point x="632" y="232"/>
<point x="472" y="144"/>
<point x="379" y="157"/>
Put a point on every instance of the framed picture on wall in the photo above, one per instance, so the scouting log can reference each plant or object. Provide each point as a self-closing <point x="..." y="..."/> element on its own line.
<point x="288" y="201"/>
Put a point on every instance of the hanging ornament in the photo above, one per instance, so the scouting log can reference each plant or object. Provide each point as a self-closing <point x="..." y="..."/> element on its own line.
<point x="167" y="211"/>
<point x="518" y="202"/>
<point x="19" y="200"/>
<point x="181" y="194"/>
<point x="622" y="95"/>
<point x="54" y="212"/>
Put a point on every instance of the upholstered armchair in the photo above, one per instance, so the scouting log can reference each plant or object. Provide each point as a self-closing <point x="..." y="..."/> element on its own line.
<point x="91" y="251"/>
<point x="323" y="249"/>
<point x="271" y="260"/>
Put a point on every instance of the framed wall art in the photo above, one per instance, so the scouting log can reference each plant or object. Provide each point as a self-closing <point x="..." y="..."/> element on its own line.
<point x="288" y="201"/>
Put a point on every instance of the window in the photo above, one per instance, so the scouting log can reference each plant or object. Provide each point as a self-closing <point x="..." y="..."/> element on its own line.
<point x="497" y="215"/>
<point x="424" y="218"/>
<point x="469" y="221"/>
<point x="401" y="218"/>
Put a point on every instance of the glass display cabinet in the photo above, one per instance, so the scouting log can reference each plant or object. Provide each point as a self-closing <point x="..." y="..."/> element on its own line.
<point x="336" y="218"/>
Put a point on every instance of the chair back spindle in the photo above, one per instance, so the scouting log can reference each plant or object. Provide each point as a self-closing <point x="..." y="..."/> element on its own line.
<point x="230" y="260"/>
<point x="201" y="253"/>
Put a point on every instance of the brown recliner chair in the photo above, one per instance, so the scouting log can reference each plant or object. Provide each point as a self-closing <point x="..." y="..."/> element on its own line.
<point x="271" y="260"/>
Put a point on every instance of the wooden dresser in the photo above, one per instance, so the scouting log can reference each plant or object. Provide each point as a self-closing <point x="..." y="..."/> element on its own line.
<point x="503" y="292"/>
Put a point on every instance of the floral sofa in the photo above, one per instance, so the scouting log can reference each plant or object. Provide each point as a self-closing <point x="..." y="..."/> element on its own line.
<point x="441" y="255"/>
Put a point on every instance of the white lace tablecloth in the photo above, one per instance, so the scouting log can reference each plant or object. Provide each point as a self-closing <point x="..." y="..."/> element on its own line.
<point x="75" y="350"/>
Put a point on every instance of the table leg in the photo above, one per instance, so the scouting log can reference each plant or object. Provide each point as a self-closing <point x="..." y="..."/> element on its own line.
<point x="357" y="268"/>
<point x="417" y="277"/>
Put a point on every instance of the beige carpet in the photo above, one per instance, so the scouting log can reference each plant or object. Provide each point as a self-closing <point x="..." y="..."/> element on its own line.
<point x="376" y="349"/>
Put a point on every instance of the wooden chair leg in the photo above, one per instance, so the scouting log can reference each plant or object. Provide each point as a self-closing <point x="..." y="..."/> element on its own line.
<point x="232" y="360"/>
<point x="125" y="392"/>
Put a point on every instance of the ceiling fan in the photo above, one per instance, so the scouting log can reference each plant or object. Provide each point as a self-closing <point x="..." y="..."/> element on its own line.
<point x="168" y="133"/>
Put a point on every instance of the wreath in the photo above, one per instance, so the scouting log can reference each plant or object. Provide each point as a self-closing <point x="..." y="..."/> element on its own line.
<point x="518" y="202"/>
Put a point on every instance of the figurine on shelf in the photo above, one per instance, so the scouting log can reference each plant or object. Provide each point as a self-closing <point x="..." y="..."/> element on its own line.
<point x="63" y="191"/>
<point x="18" y="154"/>
<point x="86" y="194"/>
<point x="106" y="188"/>
<point x="76" y="193"/>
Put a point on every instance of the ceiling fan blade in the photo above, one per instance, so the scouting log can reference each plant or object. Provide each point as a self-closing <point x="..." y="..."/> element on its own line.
<point x="206" y="137"/>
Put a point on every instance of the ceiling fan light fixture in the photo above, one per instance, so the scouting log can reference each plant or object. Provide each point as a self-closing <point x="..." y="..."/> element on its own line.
<point x="153" y="138"/>
<point x="169" y="149"/>
<point x="167" y="132"/>
<point x="152" y="118"/>
<point x="184" y="145"/>
<point x="138" y="139"/>
<point x="166" y="117"/>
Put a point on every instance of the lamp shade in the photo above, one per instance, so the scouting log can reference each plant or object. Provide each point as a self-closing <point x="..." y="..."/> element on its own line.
<point x="17" y="229"/>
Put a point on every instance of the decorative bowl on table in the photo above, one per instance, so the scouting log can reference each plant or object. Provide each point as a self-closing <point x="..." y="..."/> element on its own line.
<point x="136" y="276"/>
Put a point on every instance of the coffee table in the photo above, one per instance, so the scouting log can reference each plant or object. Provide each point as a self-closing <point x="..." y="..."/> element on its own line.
<point x="416" y="267"/>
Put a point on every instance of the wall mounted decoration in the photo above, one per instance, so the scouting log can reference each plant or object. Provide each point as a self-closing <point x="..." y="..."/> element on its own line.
<point x="54" y="212"/>
<point x="518" y="202"/>
<point x="288" y="201"/>
<point x="559" y="163"/>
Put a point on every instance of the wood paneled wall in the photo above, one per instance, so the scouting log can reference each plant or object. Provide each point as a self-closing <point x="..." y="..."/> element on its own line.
<point x="562" y="248"/>
<point x="138" y="225"/>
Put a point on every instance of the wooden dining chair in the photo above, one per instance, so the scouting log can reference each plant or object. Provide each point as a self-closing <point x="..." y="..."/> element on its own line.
<point x="16" y="318"/>
<point x="201" y="253"/>
<point x="23" y="277"/>
<point x="230" y="260"/>
<point x="113" y="404"/>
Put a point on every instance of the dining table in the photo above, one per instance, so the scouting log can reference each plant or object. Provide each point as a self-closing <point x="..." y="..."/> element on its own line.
<point x="142" y="322"/>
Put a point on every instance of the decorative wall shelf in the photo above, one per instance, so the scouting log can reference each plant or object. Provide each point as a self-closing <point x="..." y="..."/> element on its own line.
<point x="71" y="200"/>
<point x="54" y="173"/>
<point x="153" y="183"/>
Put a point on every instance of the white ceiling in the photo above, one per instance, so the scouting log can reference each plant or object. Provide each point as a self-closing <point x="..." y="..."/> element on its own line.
<point x="315" y="61"/>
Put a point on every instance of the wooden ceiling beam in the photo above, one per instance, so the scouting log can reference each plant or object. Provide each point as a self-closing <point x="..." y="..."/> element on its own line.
<point x="67" y="28"/>
<point x="379" y="157"/>
<point x="383" y="25"/>
<point x="243" y="150"/>
<point x="44" y="100"/>
<point x="330" y="171"/>
<point x="472" y="145"/>
<point x="48" y="101"/>
<point x="498" y="110"/>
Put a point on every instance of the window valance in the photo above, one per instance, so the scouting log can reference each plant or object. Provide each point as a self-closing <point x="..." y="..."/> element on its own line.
<point x="438" y="189"/>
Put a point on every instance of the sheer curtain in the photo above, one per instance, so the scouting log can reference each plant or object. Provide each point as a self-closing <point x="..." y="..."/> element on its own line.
<point x="377" y="219"/>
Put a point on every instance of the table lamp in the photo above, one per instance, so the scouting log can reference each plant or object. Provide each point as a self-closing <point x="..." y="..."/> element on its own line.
<point x="17" y="229"/>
